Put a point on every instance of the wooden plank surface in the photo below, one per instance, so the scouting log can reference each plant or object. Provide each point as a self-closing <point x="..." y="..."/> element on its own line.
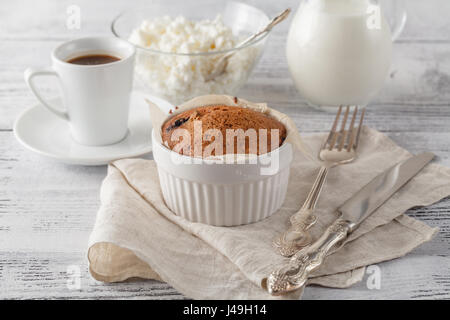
<point x="47" y="209"/>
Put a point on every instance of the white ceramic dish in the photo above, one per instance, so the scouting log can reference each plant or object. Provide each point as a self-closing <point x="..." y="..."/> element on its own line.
<point x="222" y="194"/>
<point x="42" y="132"/>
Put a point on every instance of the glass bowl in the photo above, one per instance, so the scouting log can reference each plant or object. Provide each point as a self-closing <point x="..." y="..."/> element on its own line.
<point x="178" y="76"/>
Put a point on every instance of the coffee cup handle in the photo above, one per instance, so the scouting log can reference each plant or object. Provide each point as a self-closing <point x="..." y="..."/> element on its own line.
<point x="29" y="74"/>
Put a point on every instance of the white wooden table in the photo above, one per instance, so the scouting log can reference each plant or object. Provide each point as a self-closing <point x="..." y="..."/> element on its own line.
<point x="47" y="209"/>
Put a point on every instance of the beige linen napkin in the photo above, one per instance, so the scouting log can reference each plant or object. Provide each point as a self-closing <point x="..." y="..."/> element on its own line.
<point x="136" y="235"/>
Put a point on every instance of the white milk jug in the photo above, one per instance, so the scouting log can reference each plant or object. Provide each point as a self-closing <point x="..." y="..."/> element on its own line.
<point x="339" y="51"/>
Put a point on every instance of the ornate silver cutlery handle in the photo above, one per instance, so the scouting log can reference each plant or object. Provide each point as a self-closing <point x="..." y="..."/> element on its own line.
<point x="294" y="275"/>
<point x="297" y="236"/>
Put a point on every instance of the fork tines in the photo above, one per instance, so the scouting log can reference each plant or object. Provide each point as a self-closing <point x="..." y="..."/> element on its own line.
<point x="345" y="138"/>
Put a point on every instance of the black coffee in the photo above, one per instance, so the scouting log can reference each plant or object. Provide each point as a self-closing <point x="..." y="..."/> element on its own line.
<point x="93" y="59"/>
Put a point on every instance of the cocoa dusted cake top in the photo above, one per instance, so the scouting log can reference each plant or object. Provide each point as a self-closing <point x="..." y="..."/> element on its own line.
<point x="220" y="129"/>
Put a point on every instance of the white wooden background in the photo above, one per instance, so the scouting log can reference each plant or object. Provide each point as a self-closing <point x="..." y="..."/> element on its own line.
<point x="47" y="209"/>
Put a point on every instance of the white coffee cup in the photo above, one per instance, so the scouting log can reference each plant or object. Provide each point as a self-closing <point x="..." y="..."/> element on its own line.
<point x="95" y="97"/>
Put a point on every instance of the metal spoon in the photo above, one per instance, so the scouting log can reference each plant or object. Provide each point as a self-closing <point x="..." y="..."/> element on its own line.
<point x="221" y="64"/>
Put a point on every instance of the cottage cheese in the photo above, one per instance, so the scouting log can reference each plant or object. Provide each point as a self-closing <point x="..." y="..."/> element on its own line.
<point x="181" y="77"/>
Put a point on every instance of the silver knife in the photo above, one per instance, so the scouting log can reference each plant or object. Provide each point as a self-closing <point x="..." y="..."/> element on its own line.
<point x="294" y="275"/>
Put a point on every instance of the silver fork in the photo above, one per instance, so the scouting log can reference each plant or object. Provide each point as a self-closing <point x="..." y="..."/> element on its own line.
<point x="339" y="148"/>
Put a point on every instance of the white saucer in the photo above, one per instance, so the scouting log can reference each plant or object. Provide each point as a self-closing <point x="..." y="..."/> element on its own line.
<point x="44" y="133"/>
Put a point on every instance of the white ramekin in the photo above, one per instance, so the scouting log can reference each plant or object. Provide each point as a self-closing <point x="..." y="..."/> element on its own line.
<point x="223" y="194"/>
